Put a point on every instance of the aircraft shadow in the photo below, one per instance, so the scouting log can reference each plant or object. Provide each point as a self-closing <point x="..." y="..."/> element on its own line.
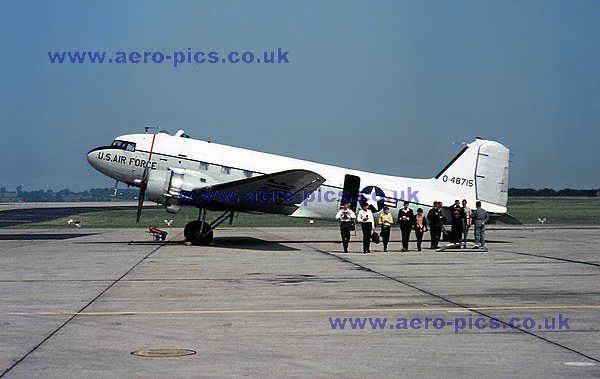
<point x="241" y="243"/>
<point x="250" y="243"/>
<point x="41" y="236"/>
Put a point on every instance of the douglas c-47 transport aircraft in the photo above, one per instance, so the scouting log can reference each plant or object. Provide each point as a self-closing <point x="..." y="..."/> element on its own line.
<point x="177" y="170"/>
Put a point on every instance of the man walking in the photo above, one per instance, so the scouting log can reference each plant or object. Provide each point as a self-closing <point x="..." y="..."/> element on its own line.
<point x="467" y="225"/>
<point x="367" y="223"/>
<point x="458" y="223"/>
<point x="420" y="227"/>
<point x="436" y="220"/>
<point x="385" y="220"/>
<point x="480" y="218"/>
<point x="406" y="219"/>
<point x="346" y="217"/>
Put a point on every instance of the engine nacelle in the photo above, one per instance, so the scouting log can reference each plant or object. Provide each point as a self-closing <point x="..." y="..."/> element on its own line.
<point x="164" y="187"/>
<point x="173" y="208"/>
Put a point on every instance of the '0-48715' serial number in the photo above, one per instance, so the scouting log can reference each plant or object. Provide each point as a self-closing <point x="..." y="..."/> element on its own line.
<point x="458" y="181"/>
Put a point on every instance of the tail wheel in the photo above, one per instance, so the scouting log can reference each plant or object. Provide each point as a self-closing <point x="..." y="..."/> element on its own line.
<point x="198" y="233"/>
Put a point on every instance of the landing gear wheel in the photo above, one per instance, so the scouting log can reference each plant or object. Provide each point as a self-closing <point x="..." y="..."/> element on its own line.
<point x="197" y="233"/>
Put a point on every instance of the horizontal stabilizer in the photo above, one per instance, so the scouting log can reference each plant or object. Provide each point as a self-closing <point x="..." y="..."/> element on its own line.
<point x="504" y="218"/>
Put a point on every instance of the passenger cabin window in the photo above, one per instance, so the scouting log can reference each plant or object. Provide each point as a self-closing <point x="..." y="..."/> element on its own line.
<point x="248" y="174"/>
<point x="203" y="166"/>
<point x="225" y="170"/>
<point x="123" y="145"/>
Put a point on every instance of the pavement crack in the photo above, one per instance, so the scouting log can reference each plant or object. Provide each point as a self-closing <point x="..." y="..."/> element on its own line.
<point x="81" y="310"/>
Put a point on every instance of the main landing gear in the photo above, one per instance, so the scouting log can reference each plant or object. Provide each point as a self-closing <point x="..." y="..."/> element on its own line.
<point x="199" y="232"/>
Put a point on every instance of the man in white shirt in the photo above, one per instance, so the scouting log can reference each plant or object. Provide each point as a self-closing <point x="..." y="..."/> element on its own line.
<point x="367" y="222"/>
<point x="467" y="224"/>
<point x="346" y="217"/>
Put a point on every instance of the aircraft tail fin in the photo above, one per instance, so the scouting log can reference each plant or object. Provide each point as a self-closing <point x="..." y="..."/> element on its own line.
<point x="479" y="171"/>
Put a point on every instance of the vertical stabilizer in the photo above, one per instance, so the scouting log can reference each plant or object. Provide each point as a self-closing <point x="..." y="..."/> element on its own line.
<point x="479" y="171"/>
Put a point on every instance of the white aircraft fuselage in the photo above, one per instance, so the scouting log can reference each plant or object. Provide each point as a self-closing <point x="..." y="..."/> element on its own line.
<point x="169" y="166"/>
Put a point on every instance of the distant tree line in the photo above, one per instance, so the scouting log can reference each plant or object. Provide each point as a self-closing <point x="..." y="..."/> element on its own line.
<point x="552" y="192"/>
<point x="66" y="195"/>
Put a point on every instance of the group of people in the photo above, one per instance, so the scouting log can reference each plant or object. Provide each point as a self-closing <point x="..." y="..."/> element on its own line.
<point x="462" y="219"/>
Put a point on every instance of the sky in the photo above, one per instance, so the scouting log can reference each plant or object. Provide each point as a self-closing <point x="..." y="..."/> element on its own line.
<point x="391" y="87"/>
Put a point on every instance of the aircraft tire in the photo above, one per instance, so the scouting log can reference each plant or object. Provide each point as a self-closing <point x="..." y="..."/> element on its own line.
<point x="196" y="232"/>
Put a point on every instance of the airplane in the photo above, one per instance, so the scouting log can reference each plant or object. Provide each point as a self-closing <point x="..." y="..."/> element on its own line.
<point x="176" y="170"/>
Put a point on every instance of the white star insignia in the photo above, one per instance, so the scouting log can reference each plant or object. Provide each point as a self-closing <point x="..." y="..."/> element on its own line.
<point x="371" y="198"/>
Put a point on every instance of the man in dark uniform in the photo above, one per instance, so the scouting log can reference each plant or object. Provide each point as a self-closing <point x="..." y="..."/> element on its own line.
<point x="406" y="219"/>
<point x="458" y="221"/>
<point x="436" y="220"/>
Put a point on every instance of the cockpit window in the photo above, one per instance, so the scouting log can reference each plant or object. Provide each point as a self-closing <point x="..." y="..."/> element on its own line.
<point x="123" y="145"/>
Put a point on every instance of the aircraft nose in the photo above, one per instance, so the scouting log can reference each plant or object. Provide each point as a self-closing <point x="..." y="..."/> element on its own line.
<point x="94" y="158"/>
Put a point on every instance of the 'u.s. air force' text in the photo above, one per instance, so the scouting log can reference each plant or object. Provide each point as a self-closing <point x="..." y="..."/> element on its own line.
<point x="116" y="158"/>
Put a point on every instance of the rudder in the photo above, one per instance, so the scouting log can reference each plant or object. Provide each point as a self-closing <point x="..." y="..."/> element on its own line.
<point x="491" y="177"/>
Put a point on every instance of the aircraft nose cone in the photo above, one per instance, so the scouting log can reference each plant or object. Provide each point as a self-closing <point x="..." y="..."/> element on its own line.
<point x="94" y="157"/>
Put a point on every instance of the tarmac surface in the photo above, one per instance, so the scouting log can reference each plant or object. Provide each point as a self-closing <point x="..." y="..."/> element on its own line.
<point x="263" y="302"/>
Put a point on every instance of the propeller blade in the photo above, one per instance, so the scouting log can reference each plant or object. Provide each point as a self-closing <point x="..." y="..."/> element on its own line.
<point x="144" y="184"/>
<point x="140" y="203"/>
<point x="143" y="187"/>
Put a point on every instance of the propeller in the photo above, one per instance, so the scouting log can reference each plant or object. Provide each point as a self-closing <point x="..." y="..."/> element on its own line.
<point x="144" y="184"/>
<point x="142" y="195"/>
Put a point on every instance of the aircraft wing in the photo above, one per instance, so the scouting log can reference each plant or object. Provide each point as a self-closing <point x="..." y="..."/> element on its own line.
<point x="279" y="192"/>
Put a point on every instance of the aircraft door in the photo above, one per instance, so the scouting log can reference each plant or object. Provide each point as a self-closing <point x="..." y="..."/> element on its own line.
<point x="350" y="191"/>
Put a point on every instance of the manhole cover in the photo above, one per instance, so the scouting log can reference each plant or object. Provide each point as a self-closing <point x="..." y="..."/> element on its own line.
<point x="163" y="352"/>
